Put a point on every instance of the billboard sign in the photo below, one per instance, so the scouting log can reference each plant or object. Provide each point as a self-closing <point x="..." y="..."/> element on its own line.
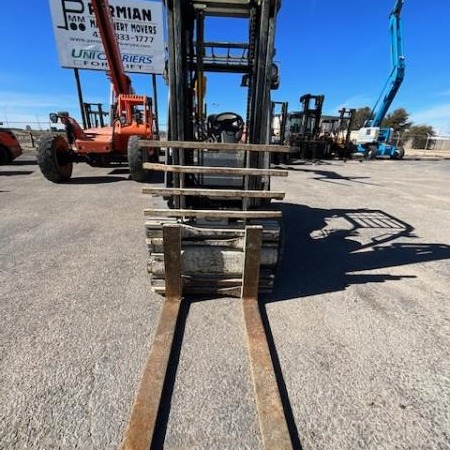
<point x="139" y="32"/>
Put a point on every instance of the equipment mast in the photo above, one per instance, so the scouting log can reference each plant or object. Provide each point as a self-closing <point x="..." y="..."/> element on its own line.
<point x="398" y="70"/>
<point x="120" y="81"/>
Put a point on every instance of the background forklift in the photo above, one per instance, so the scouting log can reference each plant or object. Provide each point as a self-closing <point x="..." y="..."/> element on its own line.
<point x="131" y="120"/>
<point x="303" y="128"/>
<point x="339" y="129"/>
<point x="311" y="135"/>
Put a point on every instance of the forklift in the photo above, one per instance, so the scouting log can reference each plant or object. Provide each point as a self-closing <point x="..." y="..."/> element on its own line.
<point x="303" y="129"/>
<point x="219" y="233"/>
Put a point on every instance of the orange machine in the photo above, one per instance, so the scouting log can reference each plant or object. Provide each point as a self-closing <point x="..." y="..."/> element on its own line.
<point x="132" y="121"/>
<point x="9" y="146"/>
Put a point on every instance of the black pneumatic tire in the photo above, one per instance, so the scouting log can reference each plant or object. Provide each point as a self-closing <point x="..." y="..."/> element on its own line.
<point x="136" y="159"/>
<point x="400" y="153"/>
<point x="5" y="157"/>
<point x="371" y="152"/>
<point x="54" y="159"/>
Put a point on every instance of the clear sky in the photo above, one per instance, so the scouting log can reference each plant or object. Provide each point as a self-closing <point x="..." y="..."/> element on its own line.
<point x="336" y="48"/>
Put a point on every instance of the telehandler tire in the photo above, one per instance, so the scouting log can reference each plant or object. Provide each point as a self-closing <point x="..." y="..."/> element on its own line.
<point x="400" y="153"/>
<point x="136" y="159"/>
<point x="54" y="159"/>
<point x="371" y="152"/>
<point x="5" y="157"/>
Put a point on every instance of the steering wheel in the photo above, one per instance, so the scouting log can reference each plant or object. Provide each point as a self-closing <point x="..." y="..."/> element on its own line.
<point x="227" y="121"/>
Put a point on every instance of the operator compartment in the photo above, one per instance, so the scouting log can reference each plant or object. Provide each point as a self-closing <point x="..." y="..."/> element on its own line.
<point x="224" y="127"/>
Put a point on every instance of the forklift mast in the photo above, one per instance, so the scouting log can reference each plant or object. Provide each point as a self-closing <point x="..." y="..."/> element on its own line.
<point x="278" y="121"/>
<point x="190" y="56"/>
<point x="312" y="113"/>
<point x="217" y="166"/>
<point x="345" y="124"/>
<point x="305" y="124"/>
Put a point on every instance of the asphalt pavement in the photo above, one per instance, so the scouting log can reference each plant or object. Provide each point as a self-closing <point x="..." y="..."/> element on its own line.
<point x="360" y="318"/>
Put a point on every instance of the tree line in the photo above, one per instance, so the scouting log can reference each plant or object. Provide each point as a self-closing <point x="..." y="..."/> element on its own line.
<point x="399" y="121"/>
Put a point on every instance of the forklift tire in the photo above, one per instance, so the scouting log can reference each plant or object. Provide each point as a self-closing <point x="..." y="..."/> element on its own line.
<point x="54" y="159"/>
<point x="136" y="159"/>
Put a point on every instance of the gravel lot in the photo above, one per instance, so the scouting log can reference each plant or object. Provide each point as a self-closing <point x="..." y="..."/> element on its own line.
<point x="360" y="318"/>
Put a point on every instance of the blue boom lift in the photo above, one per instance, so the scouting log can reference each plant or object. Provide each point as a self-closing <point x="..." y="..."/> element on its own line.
<point x="373" y="140"/>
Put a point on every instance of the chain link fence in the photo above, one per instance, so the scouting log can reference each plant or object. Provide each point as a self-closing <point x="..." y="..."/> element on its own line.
<point x="421" y="142"/>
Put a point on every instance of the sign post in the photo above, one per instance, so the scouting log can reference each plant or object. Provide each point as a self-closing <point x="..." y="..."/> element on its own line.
<point x="80" y="97"/>
<point x="155" y="104"/>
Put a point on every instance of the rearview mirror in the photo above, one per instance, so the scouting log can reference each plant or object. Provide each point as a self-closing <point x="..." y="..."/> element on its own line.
<point x="53" y="117"/>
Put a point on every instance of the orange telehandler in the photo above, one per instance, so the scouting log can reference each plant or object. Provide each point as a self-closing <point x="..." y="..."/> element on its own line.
<point x="132" y="121"/>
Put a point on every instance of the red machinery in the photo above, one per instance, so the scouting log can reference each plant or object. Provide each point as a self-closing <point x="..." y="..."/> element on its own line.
<point x="9" y="146"/>
<point x="132" y="121"/>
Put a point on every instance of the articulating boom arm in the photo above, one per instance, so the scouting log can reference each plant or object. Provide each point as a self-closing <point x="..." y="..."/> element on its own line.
<point x="398" y="70"/>
<point x="121" y="82"/>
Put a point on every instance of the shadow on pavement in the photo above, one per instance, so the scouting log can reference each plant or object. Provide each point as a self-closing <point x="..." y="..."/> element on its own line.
<point x="124" y="171"/>
<point x="21" y="162"/>
<point x="155" y="177"/>
<point x="96" y="180"/>
<point x="10" y="173"/>
<point x="331" y="176"/>
<point x="324" y="248"/>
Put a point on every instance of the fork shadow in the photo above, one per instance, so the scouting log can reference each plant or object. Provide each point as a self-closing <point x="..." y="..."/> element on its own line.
<point x="12" y="173"/>
<point x="320" y="257"/>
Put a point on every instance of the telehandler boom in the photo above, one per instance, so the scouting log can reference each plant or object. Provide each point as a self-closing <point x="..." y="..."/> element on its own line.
<point x="373" y="140"/>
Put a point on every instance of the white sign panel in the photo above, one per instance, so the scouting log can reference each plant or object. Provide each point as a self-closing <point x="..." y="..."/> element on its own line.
<point x="139" y="32"/>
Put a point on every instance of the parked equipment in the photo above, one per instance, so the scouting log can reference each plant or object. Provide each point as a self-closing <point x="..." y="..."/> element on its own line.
<point x="10" y="148"/>
<point x="303" y="129"/>
<point x="132" y="121"/>
<point x="341" y="146"/>
<point x="373" y="140"/>
<point x="310" y="134"/>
